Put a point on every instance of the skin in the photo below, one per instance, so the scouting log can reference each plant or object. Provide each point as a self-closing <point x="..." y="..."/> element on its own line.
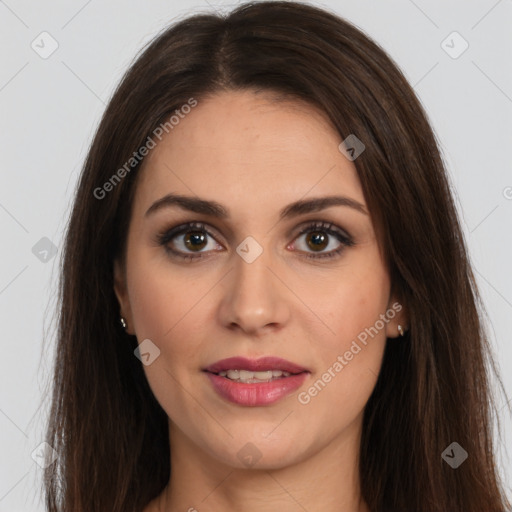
<point x="255" y="157"/>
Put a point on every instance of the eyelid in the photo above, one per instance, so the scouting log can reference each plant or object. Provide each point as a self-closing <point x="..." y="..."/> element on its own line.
<point x="345" y="239"/>
<point x="323" y="225"/>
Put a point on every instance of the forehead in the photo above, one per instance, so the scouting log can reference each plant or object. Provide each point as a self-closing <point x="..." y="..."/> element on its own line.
<point x="245" y="150"/>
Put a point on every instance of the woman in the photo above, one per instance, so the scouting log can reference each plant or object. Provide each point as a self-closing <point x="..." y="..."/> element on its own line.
<point x="267" y="302"/>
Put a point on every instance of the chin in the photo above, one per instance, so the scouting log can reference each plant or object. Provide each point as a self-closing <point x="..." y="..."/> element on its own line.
<point x="253" y="451"/>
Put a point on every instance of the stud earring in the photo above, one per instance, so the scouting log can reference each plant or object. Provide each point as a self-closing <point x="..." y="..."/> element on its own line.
<point x="400" y="330"/>
<point x="123" y="322"/>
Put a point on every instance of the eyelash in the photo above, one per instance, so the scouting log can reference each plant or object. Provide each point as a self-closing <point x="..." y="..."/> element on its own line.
<point x="164" y="237"/>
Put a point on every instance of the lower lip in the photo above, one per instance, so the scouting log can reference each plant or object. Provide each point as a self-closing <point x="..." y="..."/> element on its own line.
<point x="259" y="393"/>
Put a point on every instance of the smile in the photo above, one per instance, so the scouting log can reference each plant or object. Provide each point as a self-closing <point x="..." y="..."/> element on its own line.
<point x="255" y="382"/>
<point x="253" y="377"/>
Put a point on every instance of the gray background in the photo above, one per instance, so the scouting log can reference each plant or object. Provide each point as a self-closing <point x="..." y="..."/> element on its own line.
<point x="51" y="107"/>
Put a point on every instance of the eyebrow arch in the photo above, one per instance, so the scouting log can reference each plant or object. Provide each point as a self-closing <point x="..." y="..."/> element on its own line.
<point x="214" y="209"/>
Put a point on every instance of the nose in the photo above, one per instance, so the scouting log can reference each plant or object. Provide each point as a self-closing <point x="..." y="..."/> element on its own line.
<point x="255" y="298"/>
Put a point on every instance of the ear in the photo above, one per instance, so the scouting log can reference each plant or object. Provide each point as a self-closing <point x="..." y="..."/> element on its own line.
<point x="121" y="292"/>
<point x="398" y="316"/>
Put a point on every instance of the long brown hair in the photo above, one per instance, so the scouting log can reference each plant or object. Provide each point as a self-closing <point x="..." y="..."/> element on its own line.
<point x="434" y="389"/>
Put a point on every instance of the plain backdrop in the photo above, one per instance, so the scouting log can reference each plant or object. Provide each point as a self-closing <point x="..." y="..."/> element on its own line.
<point x="50" y="108"/>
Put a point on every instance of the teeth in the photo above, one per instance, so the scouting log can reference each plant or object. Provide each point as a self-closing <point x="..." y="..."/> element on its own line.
<point x="262" y="375"/>
<point x="251" y="377"/>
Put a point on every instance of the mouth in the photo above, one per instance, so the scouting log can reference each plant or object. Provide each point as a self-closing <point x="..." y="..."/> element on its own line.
<point x="255" y="382"/>
<point x="248" y="377"/>
<point x="264" y="369"/>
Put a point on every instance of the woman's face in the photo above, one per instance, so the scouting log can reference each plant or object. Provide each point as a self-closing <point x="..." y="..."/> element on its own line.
<point x="247" y="283"/>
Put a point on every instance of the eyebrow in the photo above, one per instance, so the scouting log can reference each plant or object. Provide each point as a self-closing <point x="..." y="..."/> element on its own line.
<point x="214" y="209"/>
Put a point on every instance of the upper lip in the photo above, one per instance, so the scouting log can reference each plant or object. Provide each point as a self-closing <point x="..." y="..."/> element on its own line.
<point x="261" y="364"/>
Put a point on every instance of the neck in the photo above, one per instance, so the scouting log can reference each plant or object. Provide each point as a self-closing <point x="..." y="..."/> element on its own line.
<point x="326" y="480"/>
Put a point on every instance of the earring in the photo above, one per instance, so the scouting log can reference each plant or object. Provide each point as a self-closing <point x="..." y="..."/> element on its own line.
<point x="400" y="330"/>
<point x="123" y="322"/>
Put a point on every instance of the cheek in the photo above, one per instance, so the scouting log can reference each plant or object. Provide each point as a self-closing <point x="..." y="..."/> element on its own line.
<point x="349" y="354"/>
<point x="166" y="309"/>
<point x="155" y="307"/>
<point x="161" y="299"/>
<point x="171" y="308"/>
<point x="351" y="308"/>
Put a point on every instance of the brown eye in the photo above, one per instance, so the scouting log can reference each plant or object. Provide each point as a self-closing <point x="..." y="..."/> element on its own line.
<point x="194" y="240"/>
<point x="191" y="241"/>
<point x="317" y="240"/>
<point x="321" y="235"/>
<point x="185" y="240"/>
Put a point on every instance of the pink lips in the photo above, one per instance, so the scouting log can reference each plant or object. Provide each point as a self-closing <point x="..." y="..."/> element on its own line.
<point x="258" y="393"/>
